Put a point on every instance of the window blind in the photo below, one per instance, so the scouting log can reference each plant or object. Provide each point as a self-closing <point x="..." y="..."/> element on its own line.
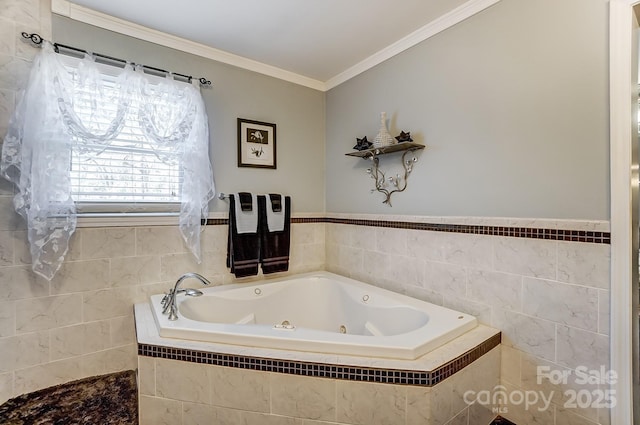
<point x="126" y="174"/>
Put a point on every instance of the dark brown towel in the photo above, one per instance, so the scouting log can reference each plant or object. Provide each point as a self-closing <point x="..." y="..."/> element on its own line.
<point x="243" y="250"/>
<point x="276" y="202"/>
<point x="274" y="246"/>
<point x="245" y="201"/>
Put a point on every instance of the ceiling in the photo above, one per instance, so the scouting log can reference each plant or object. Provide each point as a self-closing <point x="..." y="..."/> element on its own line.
<point x="316" y="39"/>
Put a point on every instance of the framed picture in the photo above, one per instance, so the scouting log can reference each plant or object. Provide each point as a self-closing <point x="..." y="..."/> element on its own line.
<point x="256" y="144"/>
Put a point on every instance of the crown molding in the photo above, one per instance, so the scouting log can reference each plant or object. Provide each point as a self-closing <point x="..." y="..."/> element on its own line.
<point x="444" y="22"/>
<point x="102" y="20"/>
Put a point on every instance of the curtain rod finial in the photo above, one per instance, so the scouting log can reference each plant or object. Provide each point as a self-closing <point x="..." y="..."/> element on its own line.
<point x="35" y="38"/>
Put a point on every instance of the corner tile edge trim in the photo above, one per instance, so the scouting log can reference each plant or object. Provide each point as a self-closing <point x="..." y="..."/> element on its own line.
<point x="514" y="232"/>
<point x="324" y="370"/>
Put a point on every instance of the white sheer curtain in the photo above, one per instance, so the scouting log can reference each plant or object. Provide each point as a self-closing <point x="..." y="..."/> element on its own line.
<point x="47" y="125"/>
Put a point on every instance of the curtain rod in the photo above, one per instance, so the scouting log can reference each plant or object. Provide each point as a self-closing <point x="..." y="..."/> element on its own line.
<point x="37" y="40"/>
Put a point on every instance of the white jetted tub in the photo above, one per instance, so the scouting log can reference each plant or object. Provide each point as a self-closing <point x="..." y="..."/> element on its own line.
<point x="320" y="312"/>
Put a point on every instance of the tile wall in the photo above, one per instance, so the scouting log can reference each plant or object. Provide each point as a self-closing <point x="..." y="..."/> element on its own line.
<point x="17" y="16"/>
<point x="175" y="392"/>
<point x="15" y="57"/>
<point x="550" y="298"/>
<point x="81" y="323"/>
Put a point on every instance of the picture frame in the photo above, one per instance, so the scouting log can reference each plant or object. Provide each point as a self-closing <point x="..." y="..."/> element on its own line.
<point x="256" y="144"/>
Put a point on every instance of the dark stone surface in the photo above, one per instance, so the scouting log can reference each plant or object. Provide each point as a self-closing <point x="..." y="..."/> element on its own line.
<point x="501" y="421"/>
<point x="104" y="400"/>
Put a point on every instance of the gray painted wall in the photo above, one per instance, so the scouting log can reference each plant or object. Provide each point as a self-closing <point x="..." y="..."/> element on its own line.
<point x="512" y="104"/>
<point x="297" y="111"/>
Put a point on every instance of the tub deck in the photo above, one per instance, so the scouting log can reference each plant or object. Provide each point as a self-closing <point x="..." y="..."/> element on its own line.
<point x="317" y="312"/>
<point x="481" y="339"/>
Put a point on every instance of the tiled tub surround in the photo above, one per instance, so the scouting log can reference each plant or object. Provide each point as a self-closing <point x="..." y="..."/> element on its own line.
<point x="81" y="323"/>
<point x="185" y="382"/>
<point x="548" y="296"/>
<point x="110" y="269"/>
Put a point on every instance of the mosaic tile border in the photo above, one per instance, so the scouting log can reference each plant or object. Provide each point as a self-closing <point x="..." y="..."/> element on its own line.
<point x="514" y="232"/>
<point x="296" y="220"/>
<point x="322" y="370"/>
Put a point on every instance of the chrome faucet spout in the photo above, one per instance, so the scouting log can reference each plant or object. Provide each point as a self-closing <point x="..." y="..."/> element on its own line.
<point x="190" y="292"/>
<point x="169" y="300"/>
<point x="192" y="275"/>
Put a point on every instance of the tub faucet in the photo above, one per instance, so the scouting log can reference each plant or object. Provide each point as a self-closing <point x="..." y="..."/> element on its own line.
<point x="169" y="300"/>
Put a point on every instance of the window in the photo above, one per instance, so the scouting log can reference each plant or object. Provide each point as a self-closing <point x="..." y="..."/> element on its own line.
<point x="95" y="138"/>
<point x="128" y="171"/>
<point x="128" y="174"/>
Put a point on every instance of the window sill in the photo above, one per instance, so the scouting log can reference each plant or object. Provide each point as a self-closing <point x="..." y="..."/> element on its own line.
<point x="135" y="220"/>
<point x="127" y="220"/>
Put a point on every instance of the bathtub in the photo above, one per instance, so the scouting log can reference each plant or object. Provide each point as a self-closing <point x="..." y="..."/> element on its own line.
<point x="318" y="312"/>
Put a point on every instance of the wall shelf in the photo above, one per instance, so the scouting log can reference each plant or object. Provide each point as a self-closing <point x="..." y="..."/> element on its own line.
<point x="404" y="146"/>
<point x="389" y="185"/>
